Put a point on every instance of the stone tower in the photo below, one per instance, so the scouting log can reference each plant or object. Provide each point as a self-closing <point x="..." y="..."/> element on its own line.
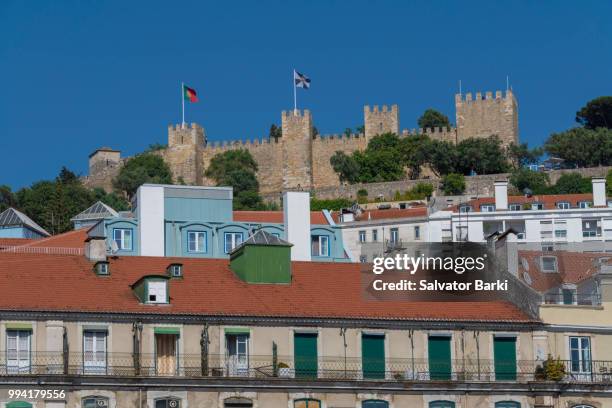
<point x="297" y="149"/>
<point x="378" y="121"/>
<point x="486" y="116"/>
<point x="184" y="152"/>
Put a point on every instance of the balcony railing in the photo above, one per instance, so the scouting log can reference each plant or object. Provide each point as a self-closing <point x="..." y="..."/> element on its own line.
<point x="581" y="299"/>
<point x="283" y="367"/>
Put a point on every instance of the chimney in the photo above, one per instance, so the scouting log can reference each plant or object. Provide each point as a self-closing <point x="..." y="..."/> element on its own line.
<point x="95" y="248"/>
<point x="150" y="213"/>
<point x="296" y="216"/>
<point x="501" y="195"/>
<point x="599" y="191"/>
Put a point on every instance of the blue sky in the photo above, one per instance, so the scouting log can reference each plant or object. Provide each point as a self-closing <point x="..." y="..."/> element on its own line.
<point x="77" y="75"/>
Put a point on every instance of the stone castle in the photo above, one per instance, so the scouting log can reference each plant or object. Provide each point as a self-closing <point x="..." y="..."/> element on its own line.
<point x="299" y="159"/>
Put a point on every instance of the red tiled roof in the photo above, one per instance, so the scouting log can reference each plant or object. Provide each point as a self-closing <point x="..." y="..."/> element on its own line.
<point x="391" y="213"/>
<point x="550" y="201"/>
<point x="209" y="287"/>
<point x="70" y="239"/>
<point x="275" y="217"/>
<point x="4" y="242"/>
<point x="572" y="267"/>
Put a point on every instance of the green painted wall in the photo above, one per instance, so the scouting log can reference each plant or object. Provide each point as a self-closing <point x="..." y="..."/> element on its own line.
<point x="262" y="263"/>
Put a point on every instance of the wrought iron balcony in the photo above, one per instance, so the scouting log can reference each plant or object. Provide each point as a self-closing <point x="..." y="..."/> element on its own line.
<point x="285" y="367"/>
<point x="581" y="299"/>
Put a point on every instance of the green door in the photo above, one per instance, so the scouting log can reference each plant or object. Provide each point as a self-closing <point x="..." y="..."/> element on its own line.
<point x="439" y="357"/>
<point x="373" y="355"/>
<point x="305" y="354"/>
<point x="504" y="353"/>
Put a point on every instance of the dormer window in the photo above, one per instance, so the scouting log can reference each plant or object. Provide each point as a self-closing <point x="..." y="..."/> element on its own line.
<point x="548" y="263"/>
<point x="515" y="207"/>
<point x="101" y="268"/>
<point x="537" y="206"/>
<point x="563" y="205"/>
<point x="585" y="204"/>
<point x="465" y="209"/>
<point x="487" y="208"/>
<point x="152" y="289"/>
<point x="157" y="292"/>
<point x="175" y="270"/>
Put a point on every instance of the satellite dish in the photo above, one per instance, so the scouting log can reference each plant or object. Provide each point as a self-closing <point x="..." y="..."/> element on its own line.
<point x="114" y="247"/>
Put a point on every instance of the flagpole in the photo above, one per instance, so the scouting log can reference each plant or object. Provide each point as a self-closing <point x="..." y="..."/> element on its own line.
<point x="183" y="102"/>
<point x="294" y="94"/>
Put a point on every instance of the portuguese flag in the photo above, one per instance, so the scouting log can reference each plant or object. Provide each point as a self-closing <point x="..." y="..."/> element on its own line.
<point x="189" y="94"/>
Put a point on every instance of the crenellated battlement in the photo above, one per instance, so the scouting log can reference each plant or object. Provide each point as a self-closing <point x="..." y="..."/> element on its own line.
<point x="301" y="159"/>
<point x="487" y="96"/>
<point x="383" y="109"/>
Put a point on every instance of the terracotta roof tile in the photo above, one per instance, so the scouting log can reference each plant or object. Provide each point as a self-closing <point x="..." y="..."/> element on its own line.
<point x="572" y="267"/>
<point x="275" y="217"/>
<point x="209" y="287"/>
<point x="550" y="201"/>
<point x="4" y="242"/>
<point x="70" y="239"/>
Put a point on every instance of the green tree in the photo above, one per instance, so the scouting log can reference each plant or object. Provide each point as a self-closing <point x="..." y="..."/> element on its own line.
<point x="7" y="198"/>
<point x="276" y="132"/>
<point x="432" y="118"/>
<point x="115" y="201"/>
<point x="453" y="184"/>
<point x="572" y="183"/>
<point x="521" y="155"/>
<point x="609" y="183"/>
<point x="155" y="147"/>
<point x="581" y="147"/>
<point x="238" y="169"/>
<point x="483" y="156"/>
<point x="141" y="169"/>
<point x="442" y="157"/>
<point x="524" y="178"/>
<point x="331" y="204"/>
<point x="51" y="204"/>
<point x="596" y="113"/>
<point x="415" y="151"/>
<point x="345" y="166"/>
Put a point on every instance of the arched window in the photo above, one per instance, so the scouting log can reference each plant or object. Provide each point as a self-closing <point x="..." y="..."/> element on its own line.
<point x="582" y="406"/>
<point x="307" y="403"/>
<point x="237" y="402"/>
<point x="95" y="401"/>
<point x="374" y="404"/>
<point x="18" y="404"/>
<point x="507" y="404"/>
<point x="442" y="404"/>
<point x="170" y="402"/>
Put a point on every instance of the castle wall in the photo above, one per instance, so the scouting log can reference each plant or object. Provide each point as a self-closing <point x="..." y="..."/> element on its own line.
<point x="323" y="148"/>
<point x="486" y="116"/>
<point x="298" y="160"/>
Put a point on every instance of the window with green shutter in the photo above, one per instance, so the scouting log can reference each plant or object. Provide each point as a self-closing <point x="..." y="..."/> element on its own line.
<point x="507" y="404"/>
<point x="439" y="351"/>
<point x="18" y="404"/>
<point x="373" y="356"/>
<point x="305" y="355"/>
<point x="374" y="404"/>
<point x="504" y="353"/>
<point x="442" y="404"/>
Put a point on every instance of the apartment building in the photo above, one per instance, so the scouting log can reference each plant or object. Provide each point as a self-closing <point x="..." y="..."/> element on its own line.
<point x="261" y="330"/>
<point x="552" y="220"/>
<point x="369" y="233"/>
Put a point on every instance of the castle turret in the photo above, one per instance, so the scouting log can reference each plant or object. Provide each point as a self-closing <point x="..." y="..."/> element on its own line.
<point x="487" y="115"/>
<point x="378" y="121"/>
<point x="297" y="149"/>
<point x="104" y="164"/>
<point x="184" y="153"/>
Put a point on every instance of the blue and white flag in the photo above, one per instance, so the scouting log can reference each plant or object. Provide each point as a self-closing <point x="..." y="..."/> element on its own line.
<point x="301" y="80"/>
